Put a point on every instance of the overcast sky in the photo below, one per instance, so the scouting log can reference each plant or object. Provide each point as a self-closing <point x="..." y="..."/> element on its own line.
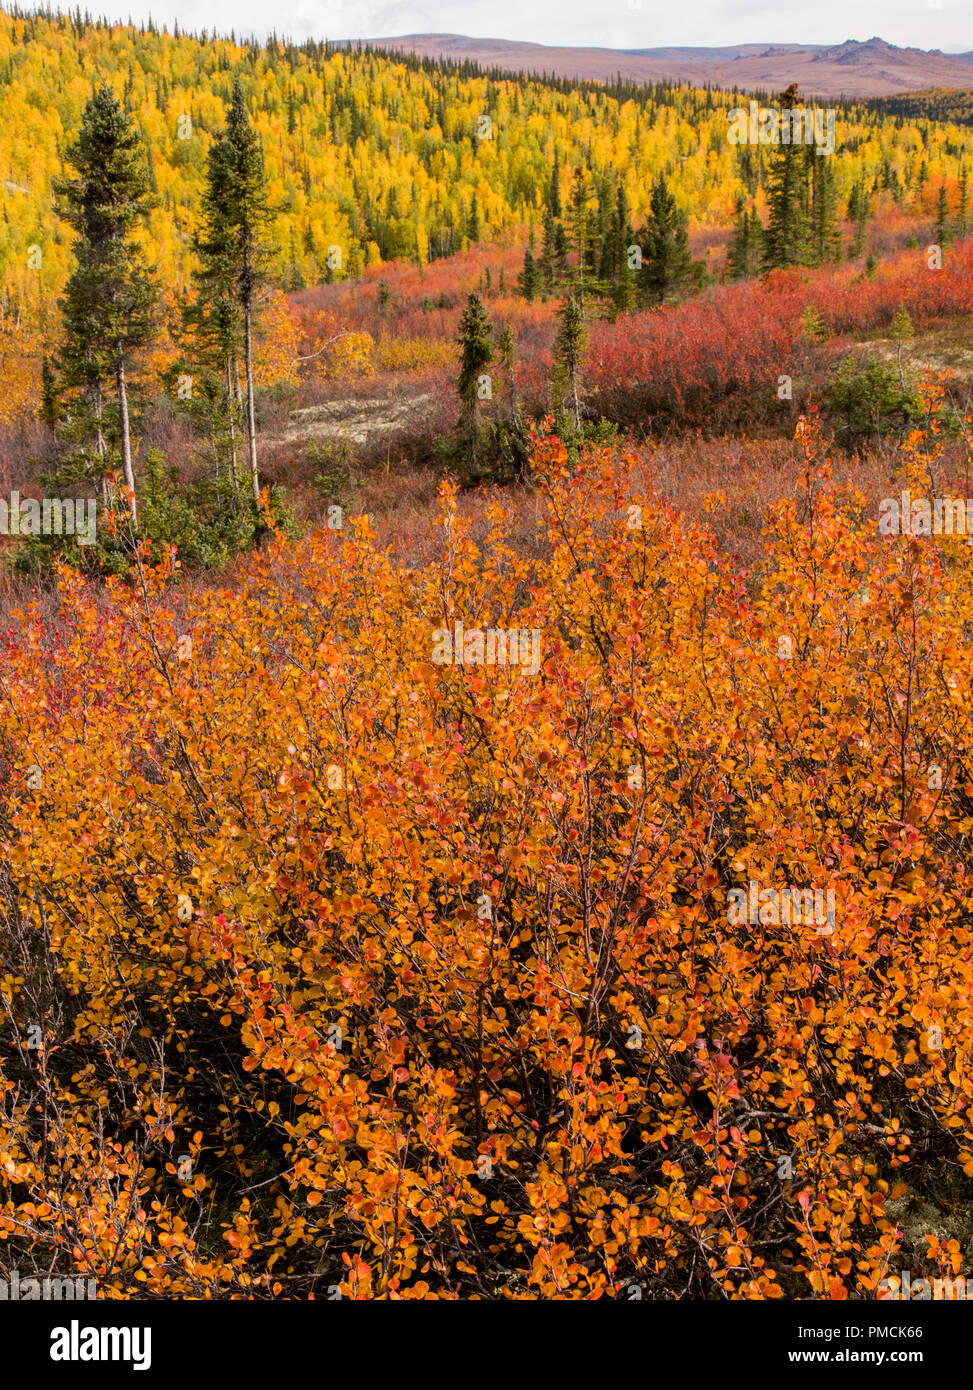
<point x="606" y="24"/>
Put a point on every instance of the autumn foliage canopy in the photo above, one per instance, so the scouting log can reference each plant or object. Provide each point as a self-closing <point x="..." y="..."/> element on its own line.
<point x="326" y="968"/>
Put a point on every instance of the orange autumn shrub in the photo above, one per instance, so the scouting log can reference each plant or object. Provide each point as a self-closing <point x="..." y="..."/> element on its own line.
<point x="333" y="968"/>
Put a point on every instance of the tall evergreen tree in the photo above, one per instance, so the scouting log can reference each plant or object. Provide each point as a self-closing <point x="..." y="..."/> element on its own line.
<point x="942" y="217"/>
<point x="529" y="279"/>
<point x="616" y="268"/>
<point x="787" y="237"/>
<point x="666" y="267"/>
<point x="623" y="291"/>
<point x="554" y="193"/>
<point x="824" y="213"/>
<point x="963" y="203"/>
<point x="109" y="297"/>
<point x="231" y="238"/>
<point x="213" y="321"/>
<point x="581" y="237"/>
<point x="560" y="253"/>
<point x="554" y="252"/>
<point x="476" y="341"/>
<point x="569" y="347"/>
<point x="50" y="406"/>
<point x="745" y="251"/>
<point x="859" y="207"/>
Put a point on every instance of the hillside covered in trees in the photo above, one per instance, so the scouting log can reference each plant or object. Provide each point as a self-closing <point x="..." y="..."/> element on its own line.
<point x="612" y="201"/>
<point x="379" y="156"/>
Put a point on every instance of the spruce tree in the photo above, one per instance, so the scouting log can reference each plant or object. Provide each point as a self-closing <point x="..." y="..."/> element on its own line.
<point x="213" y="325"/>
<point x="854" y="199"/>
<point x="473" y="230"/>
<point x="546" y="262"/>
<point x="554" y="193"/>
<point x="554" y="250"/>
<point x="824" y="213"/>
<point x="560" y="253"/>
<point x="529" y="279"/>
<point x="787" y="237"/>
<point x="616" y="267"/>
<point x="109" y="297"/>
<point x="744" y="253"/>
<point x="942" y="217"/>
<point x="859" y="206"/>
<point x="623" y="293"/>
<point x="476" y="341"/>
<point x="569" y="347"/>
<point x="963" y="203"/>
<point x="50" y="407"/>
<point x="666" y="268"/>
<point x="231" y="238"/>
<point x="579" y="221"/>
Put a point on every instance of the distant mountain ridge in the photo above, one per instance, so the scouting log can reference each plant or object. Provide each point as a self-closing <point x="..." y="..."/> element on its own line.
<point x="866" y="68"/>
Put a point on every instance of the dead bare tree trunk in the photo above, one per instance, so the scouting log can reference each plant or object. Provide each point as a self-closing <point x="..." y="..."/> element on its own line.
<point x="127" y="468"/>
<point x="229" y="402"/>
<point x="251" y="424"/>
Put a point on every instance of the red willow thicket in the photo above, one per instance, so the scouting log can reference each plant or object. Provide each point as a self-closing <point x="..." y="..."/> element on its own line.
<point x="690" y="362"/>
<point x="685" y="361"/>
